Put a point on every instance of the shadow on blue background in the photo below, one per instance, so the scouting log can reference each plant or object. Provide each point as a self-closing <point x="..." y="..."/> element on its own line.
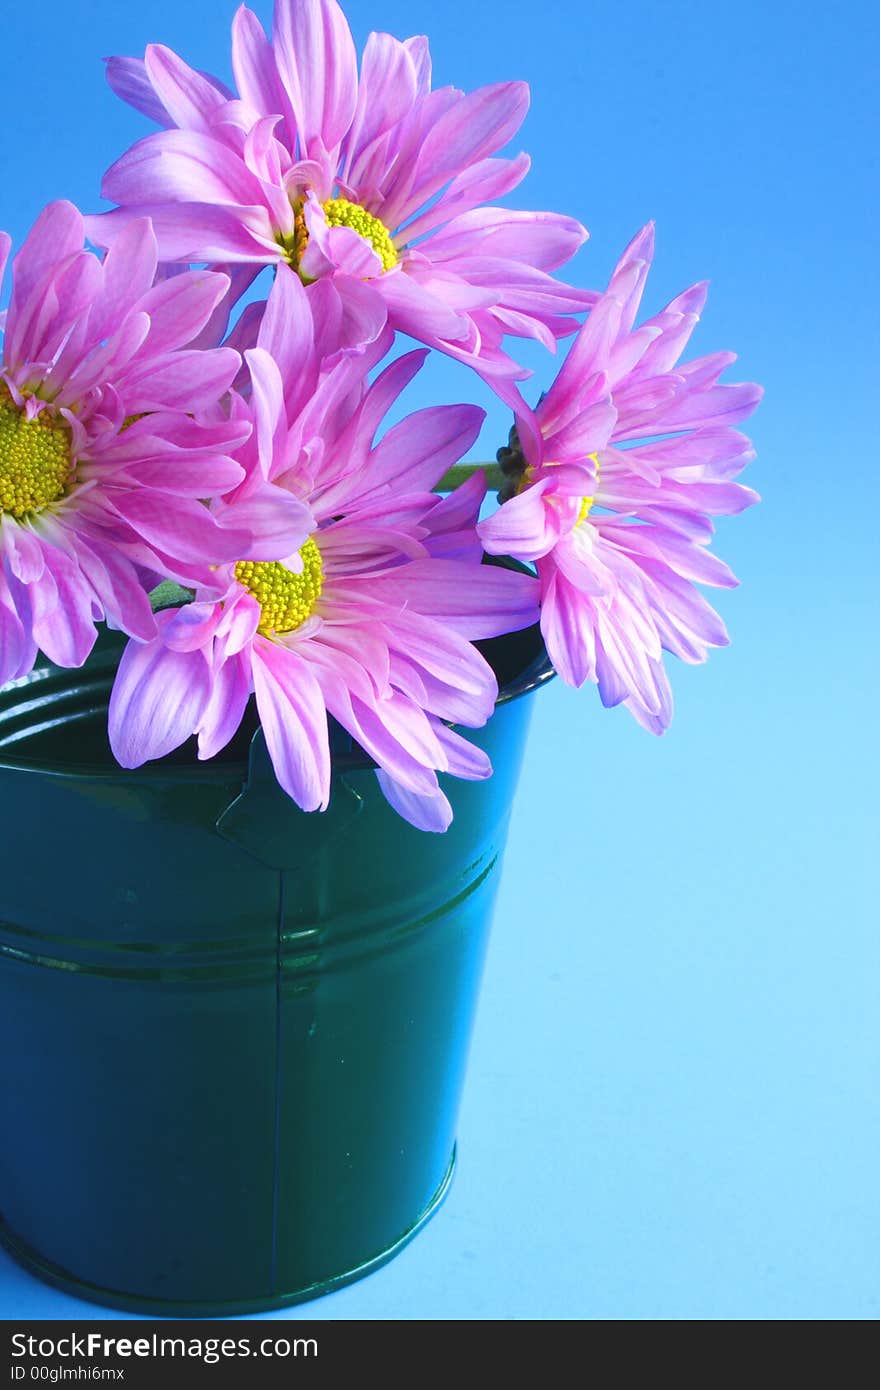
<point x="671" y="1111"/>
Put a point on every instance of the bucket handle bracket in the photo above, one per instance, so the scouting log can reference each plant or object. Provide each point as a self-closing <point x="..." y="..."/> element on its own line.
<point x="264" y="821"/>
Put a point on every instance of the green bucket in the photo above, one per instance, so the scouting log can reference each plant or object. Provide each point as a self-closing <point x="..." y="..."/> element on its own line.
<point x="234" y="1035"/>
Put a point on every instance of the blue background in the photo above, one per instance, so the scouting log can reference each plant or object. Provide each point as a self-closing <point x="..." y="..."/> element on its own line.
<point x="671" y="1109"/>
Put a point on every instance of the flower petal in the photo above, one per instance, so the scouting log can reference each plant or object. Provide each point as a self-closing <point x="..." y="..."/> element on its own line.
<point x="128" y="79"/>
<point x="543" y="240"/>
<point x="294" y="721"/>
<point x="188" y="97"/>
<point x="196" y="231"/>
<point x="187" y="532"/>
<point x="224" y="711"/>
<point x="474" y="600"/>
<point x="181" y="166"/>
<point x="477" y="125"/>
<point x="432" y="813"/>
<point x="317" y="63"/>
<point x="274" y="522"/>
<point x="65" y="629"/>
<point x="256" y="74"/>
<point x="489" y="178"/>
<point x="419" y="449"/>
<point x="157" y="701"/>
<point x="525" y="526"/>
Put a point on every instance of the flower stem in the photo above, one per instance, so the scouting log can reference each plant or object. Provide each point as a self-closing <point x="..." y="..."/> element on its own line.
<point x="462" y="471"/>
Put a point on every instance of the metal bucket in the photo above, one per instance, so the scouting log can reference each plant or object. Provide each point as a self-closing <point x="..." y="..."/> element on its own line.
<point x="233" y="1035"/>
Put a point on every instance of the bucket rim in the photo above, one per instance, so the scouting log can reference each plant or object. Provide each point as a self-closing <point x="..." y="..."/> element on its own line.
<point x="346" y="757"/>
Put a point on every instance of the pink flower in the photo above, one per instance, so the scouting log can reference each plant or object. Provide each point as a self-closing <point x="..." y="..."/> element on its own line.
<point x="623" y="462"/>
<point x="370" y="620"/>
<point x="110" y="436"/>
<point x="373" y="178"/>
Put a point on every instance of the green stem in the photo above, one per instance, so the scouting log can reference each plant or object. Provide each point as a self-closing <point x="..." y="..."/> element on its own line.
<point x="462" y="471"/>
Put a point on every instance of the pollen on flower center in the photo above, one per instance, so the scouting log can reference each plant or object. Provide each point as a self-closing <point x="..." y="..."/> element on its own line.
<point x="35" y="460"/>
<point x="586" y="508"/>
<point x="296" y="244"/>
<point x="339" y="212"/>
<point x="286" y="599"/>
<point x="588" y="502"/>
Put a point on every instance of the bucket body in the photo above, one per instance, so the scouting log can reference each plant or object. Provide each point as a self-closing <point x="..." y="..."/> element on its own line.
<point x="234" y="1035"/>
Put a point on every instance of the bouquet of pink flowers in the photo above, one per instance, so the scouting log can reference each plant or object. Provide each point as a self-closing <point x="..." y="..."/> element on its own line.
<point x="214" y="481"/>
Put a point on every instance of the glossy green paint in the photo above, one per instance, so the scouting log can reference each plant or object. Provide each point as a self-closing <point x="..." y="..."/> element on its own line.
<point x="234" y="1035"/>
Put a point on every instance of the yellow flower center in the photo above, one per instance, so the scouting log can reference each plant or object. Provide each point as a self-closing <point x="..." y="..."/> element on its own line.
<point x="339" y="212"/>
<point x="286" y="599"/>
<point x="295" y="245"/>
<point x="586" y="508"/>
<point x="35" y="461"/>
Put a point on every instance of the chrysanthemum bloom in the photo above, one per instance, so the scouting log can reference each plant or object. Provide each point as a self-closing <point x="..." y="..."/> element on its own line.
<point x="623" y="462"/>
<point x="110" y="435"/>
<point x="370" y="620"/>
<point x="373" y="178"/>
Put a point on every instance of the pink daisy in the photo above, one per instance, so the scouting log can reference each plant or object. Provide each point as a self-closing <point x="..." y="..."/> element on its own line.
<point x="372" y="177"/>
<point x="619" y="469"/>
<point x="370" y="620"/>
<point x="110" y="437"/>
